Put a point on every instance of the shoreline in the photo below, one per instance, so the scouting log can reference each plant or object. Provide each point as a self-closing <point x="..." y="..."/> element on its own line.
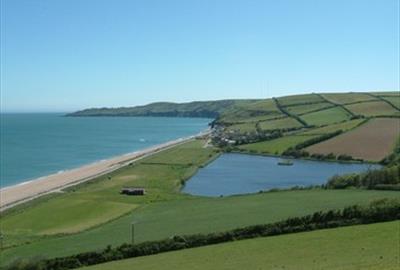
<point x="11" y="196"/>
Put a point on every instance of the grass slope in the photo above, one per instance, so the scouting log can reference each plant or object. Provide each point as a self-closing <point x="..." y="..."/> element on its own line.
<point x="276" y="146"/>
<point x="345" y="126"/>
<point x="201" y="215"/>
<point x="286" y="122"/>
<point x="302" y="109"/>
<point x="373" y="246"/>
<point x="326" y="117"/>
<point x="376" y="108"/>
<point x="344" y="98"/>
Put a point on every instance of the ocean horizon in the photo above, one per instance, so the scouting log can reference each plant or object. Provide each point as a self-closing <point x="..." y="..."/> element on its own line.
<point x="34" y="145"/>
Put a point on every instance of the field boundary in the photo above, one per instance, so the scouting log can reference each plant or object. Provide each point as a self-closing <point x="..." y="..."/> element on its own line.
<point x="384" y="100"/>
<point x="377" y="211"/>
<point x="336" y="104"/>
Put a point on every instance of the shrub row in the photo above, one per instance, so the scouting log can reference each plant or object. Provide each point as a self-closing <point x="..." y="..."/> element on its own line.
<point x="379" y="211"/>
<point x="297" y="151"/>
<point x="284" y="111"/>
<point x="385" y="178"/>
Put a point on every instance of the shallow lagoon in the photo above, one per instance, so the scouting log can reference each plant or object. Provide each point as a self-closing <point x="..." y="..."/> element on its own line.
<point x="239" y="173"/>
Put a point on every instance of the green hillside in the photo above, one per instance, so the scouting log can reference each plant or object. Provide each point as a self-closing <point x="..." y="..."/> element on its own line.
<point x="372" y="247"/>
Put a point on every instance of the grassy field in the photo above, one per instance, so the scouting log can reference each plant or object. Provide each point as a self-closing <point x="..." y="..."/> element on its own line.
<point x="252" y="112"/>
<point x="302" y="109"/>
<point x="348" y="97"/>
<point x="370" y="247"/>
<point x="189" y="215"/>
<point x="394" y="100"/>
<point x="243" y="128"/>
<point x="96" y="202"/>
<point x="371" y="141"/>
<point x="373" y="109"/>
<point x="387" y="94"/>
<point x="326" y="117"/>
<point x="276" y="146"/>
<point x="287" y="122"/>
<point x="298" y="99"/>
<point x="332" y="128"/>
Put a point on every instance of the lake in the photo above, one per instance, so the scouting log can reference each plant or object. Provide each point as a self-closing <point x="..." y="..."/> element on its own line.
<point x="38" y="144"/>
<point x="240" y="173"/>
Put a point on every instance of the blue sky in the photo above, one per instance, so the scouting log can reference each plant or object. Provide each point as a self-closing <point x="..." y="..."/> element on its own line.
<point x="62" y="55"/>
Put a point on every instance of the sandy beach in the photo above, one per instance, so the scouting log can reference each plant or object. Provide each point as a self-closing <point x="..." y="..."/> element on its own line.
<point x="13" y="195"/>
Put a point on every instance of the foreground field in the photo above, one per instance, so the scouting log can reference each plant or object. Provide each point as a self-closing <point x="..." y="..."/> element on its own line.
<point x="371" y="141"/>
<point x="370" y="247"/>
<point x="187" y="215"/>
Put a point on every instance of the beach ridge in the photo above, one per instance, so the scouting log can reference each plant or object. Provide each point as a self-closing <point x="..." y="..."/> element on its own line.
<point x="13" y="195"/>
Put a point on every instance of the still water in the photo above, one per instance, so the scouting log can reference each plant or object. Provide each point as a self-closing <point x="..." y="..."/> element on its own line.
<point x="238" y="174"/>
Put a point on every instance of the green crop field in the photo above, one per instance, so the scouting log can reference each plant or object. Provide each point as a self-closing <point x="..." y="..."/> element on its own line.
<point x="345" y="126"/>
<point x="372" y="247"/>
<point x="299" y="99"/>
<point x="302" y="109"/>
<point x="189" y="215"/>
<point x="276" y="146"/>
<point x="287" y="122"/>
<point x="326" y="117"/>
<point x="348" y="97"/>
<point x="373" y="108"/>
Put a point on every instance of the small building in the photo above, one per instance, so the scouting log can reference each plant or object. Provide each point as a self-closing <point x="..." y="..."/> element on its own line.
<point x="133" y="191"/>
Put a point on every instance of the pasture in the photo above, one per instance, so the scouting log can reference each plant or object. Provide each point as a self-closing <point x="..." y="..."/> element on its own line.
<point x="276" y="146"/>
<point x="299" y="99"/>
<point x="190" y="215"/>
<point x="287" y="122"/>
<point x="344" y="126"/>
<point x="395" y="100"/>
<point x="243" y="128"/>
<point x="376" y="108"/>
<point x="326" y="117"/>
<point x="345" y="98"/>
<point x="370" y="247"/>
<point x="371" y="141"/>
<point x="303" y="109"/>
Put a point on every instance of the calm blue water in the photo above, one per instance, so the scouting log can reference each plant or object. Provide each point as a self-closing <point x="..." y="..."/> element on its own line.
<point x="238" y="174"/>
<point x="35" y="145"/>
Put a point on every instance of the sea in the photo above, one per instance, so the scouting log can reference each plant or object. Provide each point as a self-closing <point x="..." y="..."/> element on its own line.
<point x="33" y="145"/>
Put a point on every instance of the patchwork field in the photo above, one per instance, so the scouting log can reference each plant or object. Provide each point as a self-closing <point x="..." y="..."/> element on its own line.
<point x="326" y="117"/>
<point x="376" y="108"/>
<point x="299" y="99"/>
<point x="243" y="128"/>
<point x="395" y="100"/>
<point x="276" y="146"/>
<point x="302" y="109"/>
<point x="371" y="141"/>
<point x="287" y="122"/>
<point x="348" y="97"/>
<point x="332" y="128"/>
<point x="372" y="247"/>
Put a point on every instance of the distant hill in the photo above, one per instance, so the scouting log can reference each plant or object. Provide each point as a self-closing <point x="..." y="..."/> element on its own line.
<point x="208" y="109"/>
<point x="307" y="109"/>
